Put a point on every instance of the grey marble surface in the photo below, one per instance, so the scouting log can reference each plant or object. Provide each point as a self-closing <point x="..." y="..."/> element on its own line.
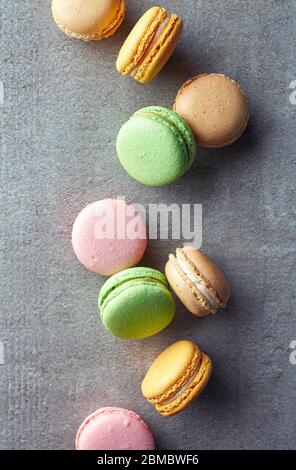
<point x="63" y="105"/>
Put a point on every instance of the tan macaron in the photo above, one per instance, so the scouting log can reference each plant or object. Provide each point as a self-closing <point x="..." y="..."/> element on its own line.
<point x="197" y="281"/>
<point x="215" y="107"/>
<point x="89" y="20"/>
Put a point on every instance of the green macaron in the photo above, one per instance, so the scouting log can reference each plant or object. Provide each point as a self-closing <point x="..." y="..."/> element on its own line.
<point x="136" y="303"/>
<point x="156" y="146"/>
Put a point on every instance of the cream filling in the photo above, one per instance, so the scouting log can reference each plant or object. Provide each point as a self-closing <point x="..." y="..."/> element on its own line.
<point x="151" y="45"/>
<point x="199" y="286"/>
<point x="182" y="390"/>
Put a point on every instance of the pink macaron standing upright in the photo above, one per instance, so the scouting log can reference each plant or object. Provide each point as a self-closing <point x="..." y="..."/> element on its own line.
<point x="109" y="236"/>
<point x="114" y="429"/>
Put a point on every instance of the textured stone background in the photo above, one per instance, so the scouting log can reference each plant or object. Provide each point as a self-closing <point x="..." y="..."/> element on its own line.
<point x="63" y="105"/>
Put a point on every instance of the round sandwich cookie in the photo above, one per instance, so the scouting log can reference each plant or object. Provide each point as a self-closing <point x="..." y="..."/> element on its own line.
<point x="197" y="281"/>
<point x="215" y="107"/>
<point x="176" y="377"/>
<point x="113" y="428"/>
<point x="109" y="236"/>
<point x="149" y="45"/>
<point x="136" y="303"/>
<point x="89" y="20"/>
<point x="156" y="146"/>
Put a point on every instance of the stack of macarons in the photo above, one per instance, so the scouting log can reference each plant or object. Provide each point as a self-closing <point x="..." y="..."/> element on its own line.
<point x="156" y="146"/>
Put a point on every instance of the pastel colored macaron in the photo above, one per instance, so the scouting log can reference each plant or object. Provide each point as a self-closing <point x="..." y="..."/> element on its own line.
<point x="176" y="377"/>
<point x="113" y="428"/>
<point x="156" y="146"/>
<point x="197" y="281"/>
<point x="109" y="236"/>
<point x="136" y="303"/>
<point x="215" y="107"/>
<point x="89" y="20"/>
<point x="149" y="45"/>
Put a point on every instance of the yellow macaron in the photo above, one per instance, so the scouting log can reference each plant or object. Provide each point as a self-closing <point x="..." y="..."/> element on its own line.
<point x="176" y="377"/>
<point x="89" y="20"/>
<point x="149" y="45"/>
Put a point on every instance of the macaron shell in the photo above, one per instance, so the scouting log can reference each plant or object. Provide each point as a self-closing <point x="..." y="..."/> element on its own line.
<point x="114" y="25"/>
<point x="150" y="151"/>
<point x="88" y="19"/>
<point x="129" y="275"/>
<point x="161" y="51"/>
<point x="138" y="309"/>
<point x="139" y="39"/>
<point x="180" y="125"/>
<point x="215" y="107"/>
<point x="210" y="272"/>
<point x="117" y="250"/>
<point x="196" y="305"/>
<point x="114" y="429"/>
<point x="169" y="367"/>
<point x="193" y="391"/>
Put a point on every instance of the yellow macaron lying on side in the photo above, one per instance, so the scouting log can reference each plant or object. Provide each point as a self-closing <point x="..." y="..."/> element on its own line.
<point x="176" y="377"/>
<point x="89" y="20"/>
<point x="149" y="45"/>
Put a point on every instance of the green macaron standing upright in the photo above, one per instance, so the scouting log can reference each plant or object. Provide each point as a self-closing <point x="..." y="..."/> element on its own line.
<point x="136" y="303"/>
<point x="156" y="146"/>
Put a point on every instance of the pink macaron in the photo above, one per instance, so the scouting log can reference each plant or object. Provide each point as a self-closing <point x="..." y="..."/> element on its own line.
<point x="114" y="429"/>
<point x="109" y="236"/>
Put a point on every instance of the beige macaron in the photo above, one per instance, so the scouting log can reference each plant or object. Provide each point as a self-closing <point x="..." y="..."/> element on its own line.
<point x="89" y="20"/>
<point x="197" y="281"/>
<point x="215" y="107"/>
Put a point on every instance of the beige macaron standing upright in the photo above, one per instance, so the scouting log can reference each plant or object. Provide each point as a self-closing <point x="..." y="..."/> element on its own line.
<point x="89" y="20"/>
<point x="215" y="107"/>
<point x="197" y="281"/>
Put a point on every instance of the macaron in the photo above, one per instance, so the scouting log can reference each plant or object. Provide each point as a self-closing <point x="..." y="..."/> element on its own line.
<point x="156" y="146"/>
<point x="109" y="236"/>
<point x="136" y="303"/>
<point x="149" y="45"/>
<point x="176" y="377"/>
<point x="215" y="107"/>
<point x="113" y="428"/>
<point x="88" y="19"/>
<point x="197" y="281"/>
